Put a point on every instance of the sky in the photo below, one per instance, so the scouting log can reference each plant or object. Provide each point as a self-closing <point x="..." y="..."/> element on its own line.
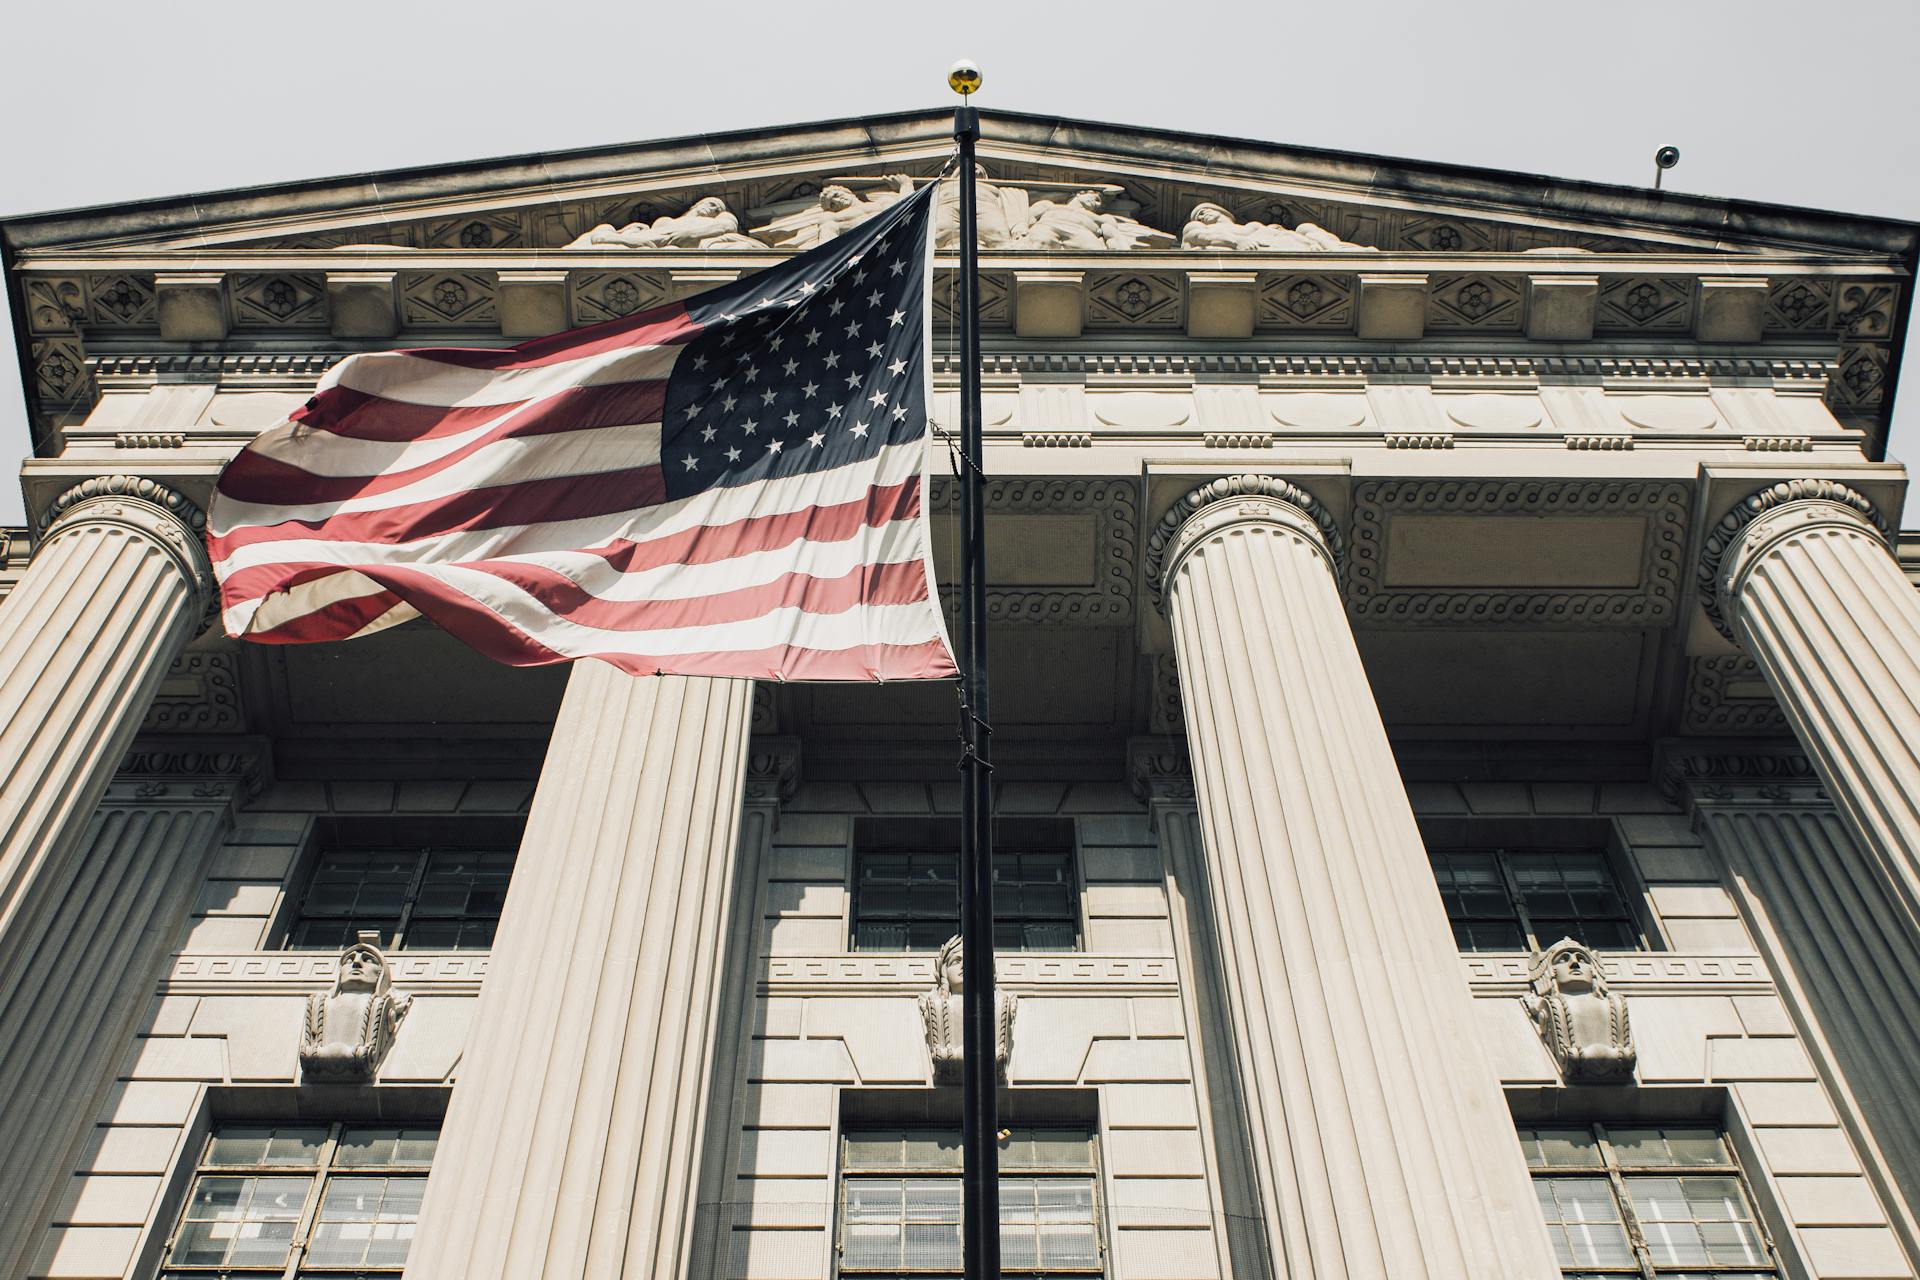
<point x="1785" y="102"/>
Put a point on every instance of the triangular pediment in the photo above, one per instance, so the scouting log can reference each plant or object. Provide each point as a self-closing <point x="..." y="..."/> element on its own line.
<point x="770" y="177"/>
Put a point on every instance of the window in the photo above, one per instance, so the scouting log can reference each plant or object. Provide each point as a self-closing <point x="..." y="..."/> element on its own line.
<point x="1666" y="1202"/>
<point x="1509" y="900"/>
<point x="900" y="1203"/>
<point x="425" y="899"/>
<point x="906" y="893"/>
<point x="302" y="1200"/>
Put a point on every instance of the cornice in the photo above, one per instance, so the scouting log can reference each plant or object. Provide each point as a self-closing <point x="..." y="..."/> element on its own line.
<point x="297" y="369"/>
<point x="1720" y="556"/>
<point x="1164" y="544"/>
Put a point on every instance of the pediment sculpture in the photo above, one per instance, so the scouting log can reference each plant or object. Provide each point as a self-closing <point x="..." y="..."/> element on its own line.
<point x="940" y="1010"/>
<point x="349" y="1029"/>
<point x="1034" y="215"/>
<point x="708" y="224"/>
<point x="1584" y="1025"/>
<point x="1210" y="226"/>
<point x="834" y="210"/>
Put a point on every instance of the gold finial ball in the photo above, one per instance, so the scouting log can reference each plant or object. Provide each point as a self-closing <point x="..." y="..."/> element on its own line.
<point x="964" y="77"/>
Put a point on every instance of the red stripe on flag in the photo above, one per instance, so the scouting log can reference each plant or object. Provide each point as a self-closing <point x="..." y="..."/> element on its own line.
<point x="521" y="503"/>
<point x="360" y="415"/>
<point x="488" y="633"/>
<point x="882" y="505"/>
<point x="869" y="584"/>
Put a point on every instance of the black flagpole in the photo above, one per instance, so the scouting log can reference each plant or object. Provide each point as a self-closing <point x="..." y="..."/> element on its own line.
<point x="979" y="1110"/>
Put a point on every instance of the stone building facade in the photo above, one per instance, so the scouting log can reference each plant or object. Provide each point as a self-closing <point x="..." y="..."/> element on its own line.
<point x="1397" y="572"/>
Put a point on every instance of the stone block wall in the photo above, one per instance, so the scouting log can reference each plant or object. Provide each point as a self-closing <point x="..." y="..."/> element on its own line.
<point x="222" y="1032"/>
<point x="1108" y="1019"/>
<point x="1710" y="1026"/>
<point x="1115" y="1020"/>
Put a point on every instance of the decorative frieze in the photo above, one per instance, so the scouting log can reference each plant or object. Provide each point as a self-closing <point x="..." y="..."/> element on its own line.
<point x="903" y="973"/>
<point x="306" y="972"/>
<point x="1474" y="304"/>
<point x="1644" y="304"/>
<point x="1507" y="974"/>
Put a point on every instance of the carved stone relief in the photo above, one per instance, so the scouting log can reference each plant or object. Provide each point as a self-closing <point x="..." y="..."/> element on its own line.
<point x="1585" y="1027"/>
<point x="1211" y="227"/>
<point x="707" y="224"/>
<point x="940" y="1014"/>
<point x="349" y="1030"/>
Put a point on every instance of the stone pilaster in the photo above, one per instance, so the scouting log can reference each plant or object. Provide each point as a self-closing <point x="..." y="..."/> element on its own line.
<point x="1379" y="1140"/>
<point x="1801" y="575"/>
<point x="81" y="971"/>
<point x="1160" y="775"/>
<point x="1845" y="967"/>
<point x="572" y="1143"/>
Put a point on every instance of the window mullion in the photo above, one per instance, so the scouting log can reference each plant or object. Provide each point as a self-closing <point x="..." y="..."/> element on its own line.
<point x="310" y="1211"/>
<point x="411" y="896"/>
<point x="1515" y="900"/>
<point x="1636" y="1238"/>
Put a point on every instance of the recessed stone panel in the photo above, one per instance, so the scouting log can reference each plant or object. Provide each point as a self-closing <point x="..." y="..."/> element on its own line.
<point x="1459" y="679"/>
<point x="1514" y="551"/>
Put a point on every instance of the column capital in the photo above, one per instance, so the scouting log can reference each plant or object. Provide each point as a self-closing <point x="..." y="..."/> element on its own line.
<point x="1158" y="770"/>
<point x="162" y="514"/>
<point x="1761" y="521"/>
<point x="1234" y="500"/>
<point x="773" y="769"/>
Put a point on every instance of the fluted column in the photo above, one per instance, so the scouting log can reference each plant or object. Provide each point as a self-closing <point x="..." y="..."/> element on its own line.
<point x="1380" y="1142"/>
<point x="1801" y="575"/>
<point x="116" y="586"/>
<point x="571" y="1145"/>
<point x="86" y="969"/>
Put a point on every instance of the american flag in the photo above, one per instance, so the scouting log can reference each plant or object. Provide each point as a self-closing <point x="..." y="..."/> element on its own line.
<point x="731" y="485"/>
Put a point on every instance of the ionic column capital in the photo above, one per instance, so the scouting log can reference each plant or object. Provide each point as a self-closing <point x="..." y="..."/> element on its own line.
<point x="1759" y="523"/>
<point x="1231" y="500"/>
<point x="165" y="516"/>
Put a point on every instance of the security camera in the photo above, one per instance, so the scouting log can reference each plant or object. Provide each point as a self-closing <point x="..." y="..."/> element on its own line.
<point x="1667" y="157"/>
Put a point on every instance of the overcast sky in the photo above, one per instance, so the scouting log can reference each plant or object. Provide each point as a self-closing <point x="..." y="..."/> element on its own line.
<point x="1794" y="103"/>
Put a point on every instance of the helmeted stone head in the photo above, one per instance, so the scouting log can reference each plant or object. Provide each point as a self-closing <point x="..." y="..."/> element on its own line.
<point x="1570" y="966"/>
